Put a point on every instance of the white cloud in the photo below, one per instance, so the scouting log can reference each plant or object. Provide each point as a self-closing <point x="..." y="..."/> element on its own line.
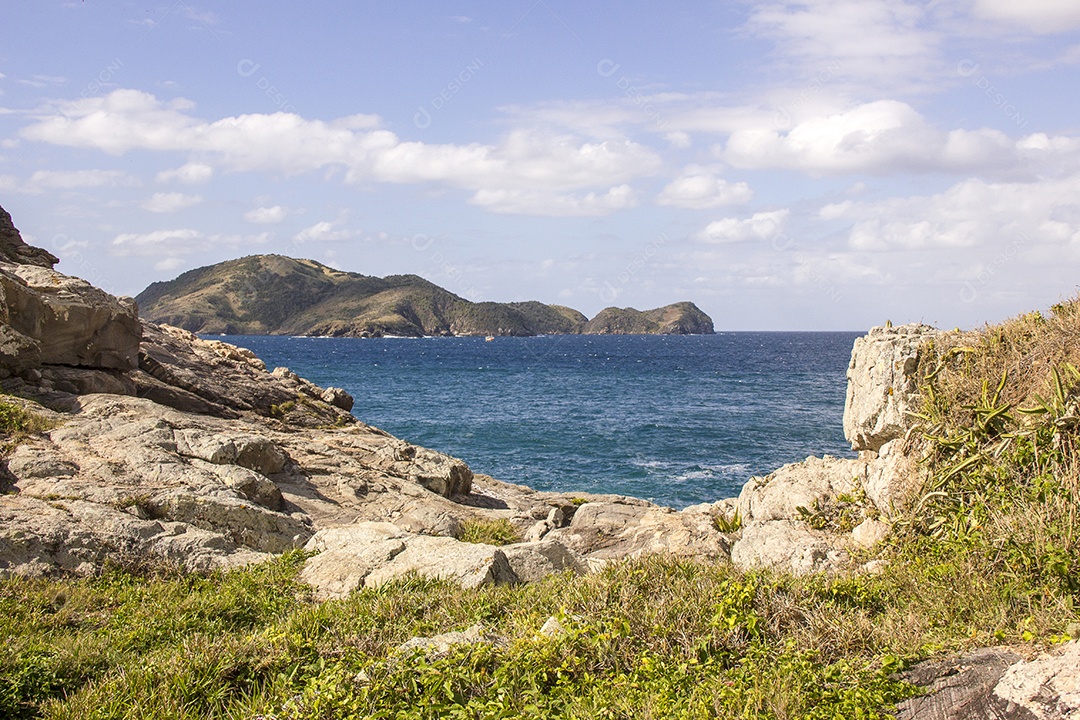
<point x="889" y="136"/>
<point x="266" y="215"/>
<point x="525" y="202"/>
<point x="970" y="214"/>
<point x="678" y="139"/>
<point x="178" y="242"/>
<point x="759" y="226"/>
<point x="324" y="231"/>
<point x="173" y="242"/>
<point x="41" y="81"/>
<point x="191" y="173"/>
<point x="42" y="180"/>
<point x="1041" y="16"/>
<point x="170" y="202"/>
<point x="524" y="161"/>
<point x="169" y="263"/>
<point x="698" y="189"/>
<point x="875" y="41"/>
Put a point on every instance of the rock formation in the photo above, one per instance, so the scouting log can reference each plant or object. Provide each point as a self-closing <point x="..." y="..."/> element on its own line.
<point x="167" y="447"/>
<point x="996" y="683"/>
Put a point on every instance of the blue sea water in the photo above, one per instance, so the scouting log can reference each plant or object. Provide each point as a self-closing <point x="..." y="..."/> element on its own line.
<point x="674" y="419"/>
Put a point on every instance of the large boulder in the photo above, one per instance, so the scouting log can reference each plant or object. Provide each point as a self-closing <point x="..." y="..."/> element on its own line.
<point x="996" y="683"/>
<point x="624" y="527"/>
<point x="807" y="516"/>
<point x="882" y="388"/>
<point x="807" y="484"/>
<point x="368" y="554"/>
<point x="788" y="545"/>
<point x="439" y="473"/>
<point x="894" y="478"/>
<point x="71" y="321"/>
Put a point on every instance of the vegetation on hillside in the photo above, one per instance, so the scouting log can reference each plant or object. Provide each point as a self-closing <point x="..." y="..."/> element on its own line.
<point x="987" y="557"/>
<point x="677" y="319"/>
<point x="273" y="294"/>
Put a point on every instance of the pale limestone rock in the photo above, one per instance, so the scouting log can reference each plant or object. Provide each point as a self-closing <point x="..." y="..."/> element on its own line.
<point x="788" y="545"/>
<point x="252" y="485"/>
<point x="467" y="564"/>
<point x="250" y="451"/>
<point x="441" y="474"/>
<point x="894" y="479"/>
<point x="72" y="322"/>
<point x="334" y="574"/>
<point x="869" y="533"/>
<point x="39" y="537"/>
<point x="633" y="528"/>
<point x="779" y="495"/>
<point x="1047" y="687"/>
<point x="882" y="387"/>
<point x="438" y="645"/>
<point x="552" y="628"/>
<point x="245" y="524"/>
<point x="367" y="554"/>
<point x="533" y="561"/>
<point x="338" y="398"/>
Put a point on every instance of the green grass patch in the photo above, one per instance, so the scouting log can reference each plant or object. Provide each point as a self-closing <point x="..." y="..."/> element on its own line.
<point x="491" y="532"/>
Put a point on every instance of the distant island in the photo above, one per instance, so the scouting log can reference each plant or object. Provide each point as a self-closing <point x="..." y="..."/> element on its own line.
<point x="279" y="295"/>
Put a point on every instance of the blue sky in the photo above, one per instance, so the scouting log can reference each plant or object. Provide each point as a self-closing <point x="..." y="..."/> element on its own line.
<point x="822" y="164"/>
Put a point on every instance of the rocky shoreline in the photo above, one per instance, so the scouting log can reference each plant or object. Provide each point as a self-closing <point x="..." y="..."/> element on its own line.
<point x="170" y="448"/>
<point x="167" y="449"/>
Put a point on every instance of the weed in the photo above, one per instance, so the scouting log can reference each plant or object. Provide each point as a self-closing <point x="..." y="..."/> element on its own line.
<point x="728" y="525"/>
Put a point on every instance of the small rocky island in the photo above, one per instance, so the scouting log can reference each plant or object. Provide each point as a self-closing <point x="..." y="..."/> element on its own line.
<point x="278" y="295"/>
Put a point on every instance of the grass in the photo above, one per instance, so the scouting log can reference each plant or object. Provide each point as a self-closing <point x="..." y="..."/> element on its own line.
<point x="491" y="532"/>
<point x="989" y="556"/>
<point x="17" y="423"/>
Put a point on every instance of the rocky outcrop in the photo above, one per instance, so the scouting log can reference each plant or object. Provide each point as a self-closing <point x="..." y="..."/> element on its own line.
<point x="996" y="683"/>
<point x="882" y="387"/>
<point x="167" y="447"/>
<point x="13" y="250"/>
<point x="68" y="320"/>
<point x="179" y="369"/>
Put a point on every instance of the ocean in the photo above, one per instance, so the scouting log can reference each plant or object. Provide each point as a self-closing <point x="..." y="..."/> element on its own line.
<point x="674" y="419"/>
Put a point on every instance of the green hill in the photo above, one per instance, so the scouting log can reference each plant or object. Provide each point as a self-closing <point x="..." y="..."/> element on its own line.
<point x="278" y="295"/>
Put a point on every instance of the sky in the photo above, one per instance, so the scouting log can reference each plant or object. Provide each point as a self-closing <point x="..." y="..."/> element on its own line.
<point x="786" y="165"/>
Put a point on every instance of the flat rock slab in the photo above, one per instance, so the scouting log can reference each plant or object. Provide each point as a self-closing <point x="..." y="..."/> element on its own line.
<point x="368" y="554"/>
<point x="997" y="684"/>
